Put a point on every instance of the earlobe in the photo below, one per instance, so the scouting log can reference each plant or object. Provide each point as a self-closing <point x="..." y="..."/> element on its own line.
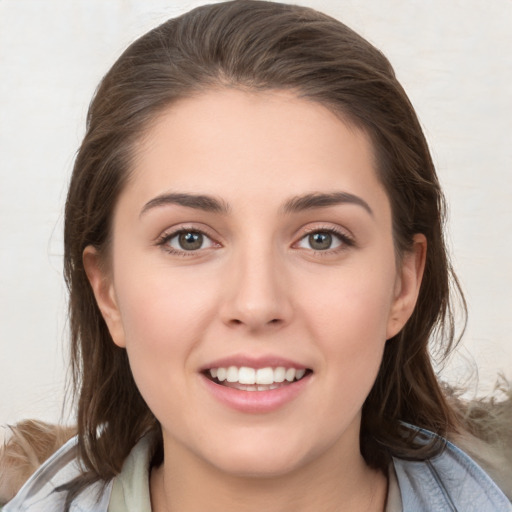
<point x="408" y="285"/>
<point x="103" y="289"/>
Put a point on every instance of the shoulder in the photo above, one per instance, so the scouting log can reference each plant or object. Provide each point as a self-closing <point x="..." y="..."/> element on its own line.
<point x="39" y="492"/>
<point x="451" y="481"/>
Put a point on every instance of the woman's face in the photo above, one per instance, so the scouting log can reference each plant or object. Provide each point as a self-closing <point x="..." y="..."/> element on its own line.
<point x="253" y="280"/>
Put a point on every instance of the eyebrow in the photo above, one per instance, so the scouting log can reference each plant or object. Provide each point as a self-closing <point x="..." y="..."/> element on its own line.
<point x="324" y="200"/>
<point x="295" y="204"/>
<point x="196" y="201"/>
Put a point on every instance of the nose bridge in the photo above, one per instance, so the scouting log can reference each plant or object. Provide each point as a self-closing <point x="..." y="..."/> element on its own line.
<point x="257" y="295"/>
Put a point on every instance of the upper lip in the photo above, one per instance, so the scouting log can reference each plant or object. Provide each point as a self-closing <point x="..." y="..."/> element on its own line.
<point x="271" y="361"/>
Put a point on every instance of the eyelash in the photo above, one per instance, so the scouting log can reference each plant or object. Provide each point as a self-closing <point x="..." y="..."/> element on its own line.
<point x="345" y="240"/>
<point x="163" y="241"/>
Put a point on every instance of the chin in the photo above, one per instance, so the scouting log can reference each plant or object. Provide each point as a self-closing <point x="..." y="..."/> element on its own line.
<point x="259" y="459"/>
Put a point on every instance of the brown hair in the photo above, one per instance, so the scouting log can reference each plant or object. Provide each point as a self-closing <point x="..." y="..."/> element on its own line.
<point x="255" y="45"/>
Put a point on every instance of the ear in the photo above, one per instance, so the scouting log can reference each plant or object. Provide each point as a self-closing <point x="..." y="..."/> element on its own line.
<point x="104" y="292"/>
<point x="407" y="286"/>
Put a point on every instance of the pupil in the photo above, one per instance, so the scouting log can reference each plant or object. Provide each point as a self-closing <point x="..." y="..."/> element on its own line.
<point x="191" y="241"/>
<point x="320" y="241"/>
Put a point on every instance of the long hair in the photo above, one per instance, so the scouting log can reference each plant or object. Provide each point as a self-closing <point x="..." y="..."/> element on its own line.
<point x="255" y="45"/>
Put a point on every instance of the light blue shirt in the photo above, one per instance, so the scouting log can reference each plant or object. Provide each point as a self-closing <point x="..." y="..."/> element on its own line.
<point x="448" y="482"/>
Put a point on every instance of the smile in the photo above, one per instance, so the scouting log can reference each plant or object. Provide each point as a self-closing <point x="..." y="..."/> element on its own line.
<point x="245" y="378"/>
<point x="256" y="385"/>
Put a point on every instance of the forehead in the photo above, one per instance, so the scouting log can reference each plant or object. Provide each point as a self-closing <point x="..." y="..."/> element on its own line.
<point x="245" y="144"/>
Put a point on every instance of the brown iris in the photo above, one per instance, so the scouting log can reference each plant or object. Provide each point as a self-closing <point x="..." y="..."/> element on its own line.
<point x="320" y="241"/>
<point x="190" y="240"/>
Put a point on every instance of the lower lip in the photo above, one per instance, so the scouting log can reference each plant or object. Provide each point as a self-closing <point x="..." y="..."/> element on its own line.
<point x="256" y="402"/>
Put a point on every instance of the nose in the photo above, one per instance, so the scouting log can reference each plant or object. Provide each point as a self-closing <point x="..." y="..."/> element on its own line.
<point x="256" y="294"/>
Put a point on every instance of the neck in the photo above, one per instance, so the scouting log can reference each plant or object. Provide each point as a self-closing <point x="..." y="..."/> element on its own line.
<point x="336" y="482"/>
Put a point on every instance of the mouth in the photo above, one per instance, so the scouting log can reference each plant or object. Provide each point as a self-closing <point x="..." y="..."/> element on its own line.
<point x="245" y="378"/>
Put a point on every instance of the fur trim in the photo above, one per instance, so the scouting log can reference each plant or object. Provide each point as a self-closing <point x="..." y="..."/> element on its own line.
<point x="487" y="434"/>
<point x="26" y="446"/>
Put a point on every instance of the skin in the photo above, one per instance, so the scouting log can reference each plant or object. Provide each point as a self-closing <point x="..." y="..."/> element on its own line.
<point x="256" y="287"/>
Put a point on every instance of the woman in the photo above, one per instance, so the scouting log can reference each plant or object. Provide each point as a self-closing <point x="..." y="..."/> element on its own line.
<point x="256" y="265"/>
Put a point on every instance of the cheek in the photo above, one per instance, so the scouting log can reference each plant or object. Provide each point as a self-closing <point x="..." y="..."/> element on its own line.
<point x="160" y="307"/>
<point x="348" y="318"/>
<point x="164" y="318"/>
<point x="353" y="306"/>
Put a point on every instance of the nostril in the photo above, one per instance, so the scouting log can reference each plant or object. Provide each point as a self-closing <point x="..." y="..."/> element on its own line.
<point x="236" y="321"/>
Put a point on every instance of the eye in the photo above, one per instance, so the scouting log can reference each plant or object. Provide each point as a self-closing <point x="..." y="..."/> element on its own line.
<point x="324" y="240"/>
<point x="186" y="240"/>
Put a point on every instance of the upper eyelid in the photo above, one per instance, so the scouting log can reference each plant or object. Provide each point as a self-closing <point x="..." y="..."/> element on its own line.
<point x="341" y="236"/>
<point x="324" y="226"/>
<point x="329" y="229"/>
<point x="180" y="228"/>
<point x="344" y="236"/>
<point x="300" y="233"/>
<point x="162" y="241"/>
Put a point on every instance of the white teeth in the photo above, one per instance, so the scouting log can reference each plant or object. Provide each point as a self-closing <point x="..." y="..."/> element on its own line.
<point x="264" y="378"/>
<point x="290" y="374"/>
<point x="232" y="374"/>
<point x="300" y="373"/>
<point x="279" y="374"/>
<point x="247" y="375"/>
